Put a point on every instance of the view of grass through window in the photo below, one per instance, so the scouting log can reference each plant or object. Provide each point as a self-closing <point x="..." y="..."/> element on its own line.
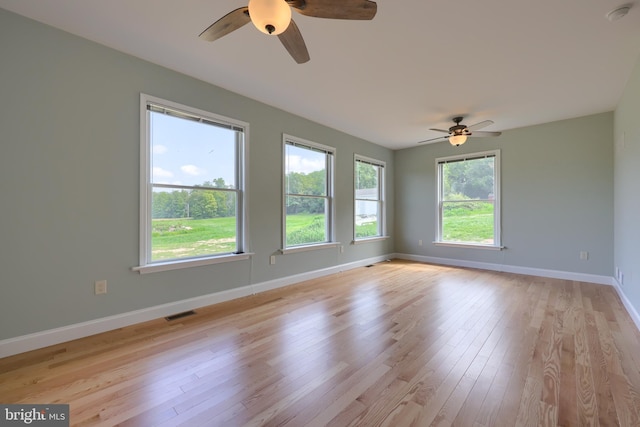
<point x="305" y="228"/>
<point x="188" y="237"/>
<point x="194" y="185"/>
<point x="368" y="200"/>
<point x="467" y="201"/>
<point x="307" y="195"/>
<point x="467" y="222"/>
<point x="191" y="223"/>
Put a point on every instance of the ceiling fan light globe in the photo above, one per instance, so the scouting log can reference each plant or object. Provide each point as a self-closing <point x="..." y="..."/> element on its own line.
<point x="457" y="140"/>
<point x="270" y="16"/>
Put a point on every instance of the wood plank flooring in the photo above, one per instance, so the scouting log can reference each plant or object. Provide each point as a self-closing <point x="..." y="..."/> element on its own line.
<point x="396" y="344"/>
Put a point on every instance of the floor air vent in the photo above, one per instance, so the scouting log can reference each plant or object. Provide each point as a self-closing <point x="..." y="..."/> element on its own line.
<point x="180" y="315"/>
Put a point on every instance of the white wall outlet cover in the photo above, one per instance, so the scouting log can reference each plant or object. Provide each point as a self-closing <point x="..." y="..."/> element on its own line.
<point x="100" y="287"/>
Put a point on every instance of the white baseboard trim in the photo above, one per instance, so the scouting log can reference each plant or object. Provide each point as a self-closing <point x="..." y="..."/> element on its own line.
<point x="627" y="304"/>
<point x="24" y="343"/>
<point x="555" y="274"/>
<point x="566" y="275"/>
<point x="21" y="344"/>
<point x="290" y="280"/>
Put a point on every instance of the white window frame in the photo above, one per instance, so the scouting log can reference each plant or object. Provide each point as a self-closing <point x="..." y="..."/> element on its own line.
<point x="330" y="210"/>
<point x="146" y="188"/>
<point x="497" y="245"/>
<point x="380" y="199"/>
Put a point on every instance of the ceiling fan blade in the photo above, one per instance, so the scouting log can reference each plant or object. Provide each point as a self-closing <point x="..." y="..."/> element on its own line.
<point x="434" y="139"/>
<point x="483" y="134"/>
<point x="294" y="43"/>
<point x="336" y="9"/>
<point x="480" y="125"/>
<point x="440" y="130"/>
<point x="228" y="23"/>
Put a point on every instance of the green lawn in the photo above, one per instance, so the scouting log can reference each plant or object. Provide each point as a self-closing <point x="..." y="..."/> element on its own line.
<point x="181" y="238"/>
<point x="468" y="222"/>
<point x="367" y="229"/>
<point x="305" y="228"/>
<point x="184" y="237"/>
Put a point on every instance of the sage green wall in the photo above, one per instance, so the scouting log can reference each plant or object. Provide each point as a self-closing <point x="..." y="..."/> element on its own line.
<point x="557" y="197"/>
<point x="627" y="188"/>
<point x="69" y="171"/>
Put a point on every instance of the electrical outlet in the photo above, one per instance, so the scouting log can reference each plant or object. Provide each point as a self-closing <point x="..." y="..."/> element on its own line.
<point x="272" y="259"/>
<point x="341" y="249"/>
<point x="584" y="255"/>
<point x="100" y="287"/>
<point x="419" y="242"/>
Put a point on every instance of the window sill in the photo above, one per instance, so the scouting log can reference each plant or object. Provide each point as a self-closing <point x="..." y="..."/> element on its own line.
<point x="470" y="245"/>
<point x="305" y="248"/>
<point x="369" y="239"/>
<point x="176" y="265"/>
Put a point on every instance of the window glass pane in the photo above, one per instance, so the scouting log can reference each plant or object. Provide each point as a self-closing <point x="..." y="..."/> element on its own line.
<point x="192" y="223"/>
<point x="468" y="199"/>
<point x="366" y="221"/>
<point x="193" y="200"/>
<point x="189" y="153"/>
<point x="306" y="220"/>
<point x="468" y="179"/>
<point x="367" y="181"/>
<point x="369" y="199"/>
<point x="468" y="221"/>
<point x="305" y="171"/>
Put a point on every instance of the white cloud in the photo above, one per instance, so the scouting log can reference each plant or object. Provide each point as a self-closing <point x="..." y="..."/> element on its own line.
<point x="159" y="149"/>
<point x="161" y="173"/>
<point x="192" y="170"/>
<point x="304" y="165"/>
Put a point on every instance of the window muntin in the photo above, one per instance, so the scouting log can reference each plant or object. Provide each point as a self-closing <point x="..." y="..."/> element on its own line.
<point x="308" y="193"/>
<point x="468" y="199"/>
<point x="369" y="198"/>
<point x="192" y="184"/>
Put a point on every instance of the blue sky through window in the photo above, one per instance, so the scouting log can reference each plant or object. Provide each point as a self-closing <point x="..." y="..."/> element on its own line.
<point x="186" y="152"/>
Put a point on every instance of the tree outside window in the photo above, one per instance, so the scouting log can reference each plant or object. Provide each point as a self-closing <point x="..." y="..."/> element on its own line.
<point x="468" y="202"/>
<point x="369" y="198"/>
<point x="308" y="193"/>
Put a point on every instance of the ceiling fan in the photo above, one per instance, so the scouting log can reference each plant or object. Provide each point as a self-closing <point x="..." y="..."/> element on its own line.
<point x="458" y="133"/>
<point x="273" y="17"/>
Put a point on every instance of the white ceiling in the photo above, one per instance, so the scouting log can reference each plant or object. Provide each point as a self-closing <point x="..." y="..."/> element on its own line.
<point x="417" y="64"/>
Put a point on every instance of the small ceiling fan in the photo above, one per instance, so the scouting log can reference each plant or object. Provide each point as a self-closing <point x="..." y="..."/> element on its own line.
<point x="273" y="17"/>
<point x="458" y="133"/>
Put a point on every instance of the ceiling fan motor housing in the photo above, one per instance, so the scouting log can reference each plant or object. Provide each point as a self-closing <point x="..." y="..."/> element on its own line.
<point x="458" y="129"/>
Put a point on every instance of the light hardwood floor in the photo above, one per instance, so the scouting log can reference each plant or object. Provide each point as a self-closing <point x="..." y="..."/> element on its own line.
<point x="396" y="344"/>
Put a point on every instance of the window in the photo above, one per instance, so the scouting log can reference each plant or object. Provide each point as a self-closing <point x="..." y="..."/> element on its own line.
<point x="192" y="186"/>
<point x="308" y="194"/>
<point x="469" y="199"/>
<point x="369" y="198"/>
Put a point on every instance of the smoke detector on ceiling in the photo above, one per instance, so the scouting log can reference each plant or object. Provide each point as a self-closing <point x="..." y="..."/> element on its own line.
<point x="618" y="13"/>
